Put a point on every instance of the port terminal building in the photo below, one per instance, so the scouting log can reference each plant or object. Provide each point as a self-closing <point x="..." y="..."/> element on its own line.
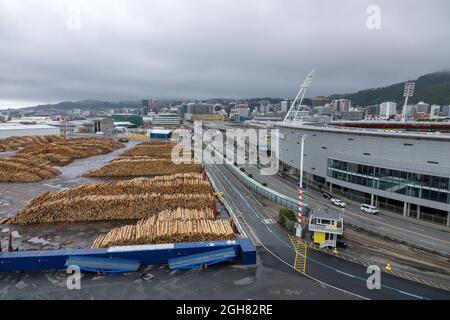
<point x="398" y="171"/>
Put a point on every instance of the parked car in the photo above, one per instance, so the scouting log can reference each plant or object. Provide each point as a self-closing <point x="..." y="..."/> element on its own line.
<point x="326" y="195"/>
<point x="369" y="209"/>
<point x="338" y="203"/>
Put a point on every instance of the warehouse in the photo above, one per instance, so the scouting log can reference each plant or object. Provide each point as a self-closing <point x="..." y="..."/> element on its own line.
<point x="135" y="119"/>
<point x="407" y="173"/>
<point x="160" y="134"/>
<point x="16" y="130"/>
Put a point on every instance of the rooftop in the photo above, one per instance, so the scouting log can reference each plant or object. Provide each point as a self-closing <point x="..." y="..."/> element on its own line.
<point x="160" y="131"/>
<point x="16" y="126"/>
<point x="392" y="133"/>
<point x="326" y="214"/>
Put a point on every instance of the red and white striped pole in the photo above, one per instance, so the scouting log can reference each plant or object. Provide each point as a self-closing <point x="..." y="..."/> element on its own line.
<point x="299" y="229"/>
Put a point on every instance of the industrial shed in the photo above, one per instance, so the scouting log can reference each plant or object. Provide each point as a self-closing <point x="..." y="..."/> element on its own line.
<point x="15" y="130"/>
<point x="160" y="134"/>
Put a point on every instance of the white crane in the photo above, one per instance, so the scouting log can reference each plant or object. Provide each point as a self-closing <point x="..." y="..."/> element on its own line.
<point x="292" y="114"/>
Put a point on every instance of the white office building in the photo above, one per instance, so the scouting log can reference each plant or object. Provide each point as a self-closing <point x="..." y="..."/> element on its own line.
<point x="285" y="105"/>
<point x="435" y="110"/>
<point x="388" y="109"/>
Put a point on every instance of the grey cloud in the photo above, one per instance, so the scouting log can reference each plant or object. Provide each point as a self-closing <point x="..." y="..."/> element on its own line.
<point x="205" y="48"/>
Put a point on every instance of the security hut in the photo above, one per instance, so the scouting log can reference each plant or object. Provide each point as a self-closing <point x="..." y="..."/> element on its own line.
<point x="160" y="134"/>
<point x="326" y="225"/>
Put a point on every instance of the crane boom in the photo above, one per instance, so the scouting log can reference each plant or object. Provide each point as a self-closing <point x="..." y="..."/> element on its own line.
<point x="292" y="114"/>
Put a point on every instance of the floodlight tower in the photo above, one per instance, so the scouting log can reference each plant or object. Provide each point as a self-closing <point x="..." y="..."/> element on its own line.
<point x="409" y="92"/>
<point x="292" y="114"/>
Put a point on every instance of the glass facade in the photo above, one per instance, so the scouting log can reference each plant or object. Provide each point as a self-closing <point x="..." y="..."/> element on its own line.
<point x="412" y="184"/>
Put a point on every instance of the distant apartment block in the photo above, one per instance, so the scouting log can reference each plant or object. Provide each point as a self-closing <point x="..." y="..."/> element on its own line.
<point x="388" y="110"/>
<point x="341" y="105"/>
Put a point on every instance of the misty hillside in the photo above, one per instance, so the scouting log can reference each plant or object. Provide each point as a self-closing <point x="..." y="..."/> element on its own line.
<point x="432" y="88"/>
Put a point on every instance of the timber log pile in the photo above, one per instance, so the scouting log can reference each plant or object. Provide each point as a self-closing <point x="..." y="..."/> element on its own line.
<point x="182" y="183"/>
<point x="179" y="214"/>
<point x="167" y="232"/>
<point x="34" y="162"/>
<point x="109" y="207"/>
<point x="148" y="159"/>
<point x="64" y="152"/>
<point x="150" y="149"/>
<point x="143" y="168"/>
<point x="15" y="143"/>
<point x="25" y="169"/>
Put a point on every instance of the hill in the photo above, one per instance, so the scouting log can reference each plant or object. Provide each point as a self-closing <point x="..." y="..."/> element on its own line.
<point x="432" y="88"/>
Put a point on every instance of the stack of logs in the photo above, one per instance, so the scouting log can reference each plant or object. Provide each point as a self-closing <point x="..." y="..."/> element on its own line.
<point x="34" y="162"/>
<point x="64" y="152"/>
<point x="14" y="143"/>
<point x="109" y="207"/>
<point x="143" y="168"/>
<point x="150" y="150"/>
<point x="182" y="183"/>
<point x="179" y="214"/>
<point x="25" y="169"/>
<point x="147" y="159"/>
<point x="167" y="232"/>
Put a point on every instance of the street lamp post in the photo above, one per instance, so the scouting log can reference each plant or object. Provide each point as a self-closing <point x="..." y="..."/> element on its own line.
<point x="299" y="229"/>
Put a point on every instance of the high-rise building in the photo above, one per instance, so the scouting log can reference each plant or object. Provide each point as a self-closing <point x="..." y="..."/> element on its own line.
<point x="373" y="111"/>
<point x="445" y="111"/>
<point x="145" y="107"/>
<point x="264" y="106"/>
<point x="320" y="101"/>
<point x="341" y="105"/>
<point x="242" y="110"/>
<point x="285" y="105"/>
<point x="423" y="107"/>
<point x="200" y="108"/>
<point x="435" y="110"/>
<point x="388" y="110"/>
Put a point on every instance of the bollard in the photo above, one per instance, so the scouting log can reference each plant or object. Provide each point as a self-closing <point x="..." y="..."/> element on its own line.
<point x="10" y="248"/>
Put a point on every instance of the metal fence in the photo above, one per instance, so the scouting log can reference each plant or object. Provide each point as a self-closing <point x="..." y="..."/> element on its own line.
<point x="266" y="192"/>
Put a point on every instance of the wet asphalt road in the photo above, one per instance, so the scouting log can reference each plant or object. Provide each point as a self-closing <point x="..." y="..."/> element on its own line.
<point x="342" y="274"/>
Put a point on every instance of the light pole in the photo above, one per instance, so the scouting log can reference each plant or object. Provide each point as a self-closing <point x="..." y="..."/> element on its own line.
<point x="299" y="230"/>
<point x="409" y="92"/>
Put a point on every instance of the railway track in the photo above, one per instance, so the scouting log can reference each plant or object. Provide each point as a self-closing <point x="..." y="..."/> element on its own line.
<point x="417" y="258"/>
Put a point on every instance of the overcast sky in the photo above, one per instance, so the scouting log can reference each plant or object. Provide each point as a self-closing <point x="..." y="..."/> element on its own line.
<point x="132" y="49"/>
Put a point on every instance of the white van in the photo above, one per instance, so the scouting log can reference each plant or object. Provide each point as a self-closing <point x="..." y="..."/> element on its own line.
<point x="369" y="209"/>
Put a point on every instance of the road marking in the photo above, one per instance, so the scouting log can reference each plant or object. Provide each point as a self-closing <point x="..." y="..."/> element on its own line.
<point x="257" y="214"/>
<point x="268" y="221"/>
